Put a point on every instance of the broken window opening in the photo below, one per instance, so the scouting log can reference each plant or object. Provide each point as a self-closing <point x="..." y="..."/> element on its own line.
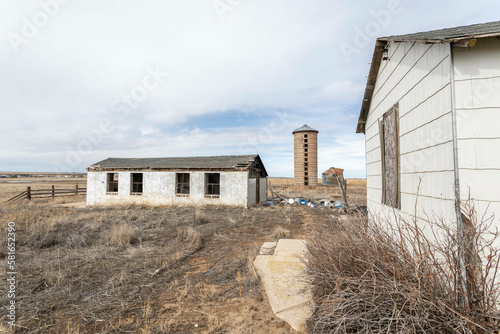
<point x="112" y="183"/>
<point x="182" y="184"/>
<point x="136" y="184"/>
<point x="212" y="184"/>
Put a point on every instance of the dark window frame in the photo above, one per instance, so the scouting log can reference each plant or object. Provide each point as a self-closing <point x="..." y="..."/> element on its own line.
<point x="182" y="183"/>
<point x="136" y="183"/>
<point x="212" y="185"/>
<point x="112" y="183"/>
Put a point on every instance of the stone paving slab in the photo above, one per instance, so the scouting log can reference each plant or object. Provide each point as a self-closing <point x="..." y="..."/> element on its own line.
<point x="283" y="277"/>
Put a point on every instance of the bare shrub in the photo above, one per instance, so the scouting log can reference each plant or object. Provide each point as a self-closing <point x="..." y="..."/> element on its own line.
<point x="371" y="279"/>
<point x="189" y="234"/>
<point x="281" y="233"/>
<point x="199" y="218"/>
<point x="122" y="235"/>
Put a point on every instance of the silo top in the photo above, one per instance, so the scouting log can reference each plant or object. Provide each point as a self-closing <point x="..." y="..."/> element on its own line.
<point x="305" y="128"/>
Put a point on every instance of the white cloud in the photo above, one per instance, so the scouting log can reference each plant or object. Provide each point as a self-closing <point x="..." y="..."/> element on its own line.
<point x="263" y="57"/>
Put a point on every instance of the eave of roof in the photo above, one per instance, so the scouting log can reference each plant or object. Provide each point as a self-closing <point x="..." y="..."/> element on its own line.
<point x="458" y="35"/>
<point x="228" y="162"/>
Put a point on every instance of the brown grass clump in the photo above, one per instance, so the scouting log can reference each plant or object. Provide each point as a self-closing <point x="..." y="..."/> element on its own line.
<point x="368" y="279"/>
<point x="199" y="218"/>
<point x="190" y="235"/>
<point x="122" y="235"/>
<point x="281" y="233"/>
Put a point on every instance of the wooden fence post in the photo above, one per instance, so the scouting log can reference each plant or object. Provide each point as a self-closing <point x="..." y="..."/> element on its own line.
<point x="28" y="193"/>
<point x="53" y="195"/>
<point x="76" y="190"/>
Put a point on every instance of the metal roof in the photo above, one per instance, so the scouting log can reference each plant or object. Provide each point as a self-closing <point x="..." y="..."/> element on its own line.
<point x="210" y="162"/>
<point x="463" y="36"/>
<point x="450" y="34"/>
<point x="333" y="171"/>
<point x="305" y="128"/>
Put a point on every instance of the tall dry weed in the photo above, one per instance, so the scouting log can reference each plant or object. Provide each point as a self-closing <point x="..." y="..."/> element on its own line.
<point x="122" y="235"/>
<point x="370" y="279"/>
<point x="189" y="234"/>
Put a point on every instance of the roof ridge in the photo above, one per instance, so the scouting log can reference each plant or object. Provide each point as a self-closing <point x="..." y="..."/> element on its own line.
<point x="463" y="31"/>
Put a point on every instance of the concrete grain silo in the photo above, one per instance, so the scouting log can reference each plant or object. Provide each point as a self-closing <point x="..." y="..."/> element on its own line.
<point x="305" y="144"/>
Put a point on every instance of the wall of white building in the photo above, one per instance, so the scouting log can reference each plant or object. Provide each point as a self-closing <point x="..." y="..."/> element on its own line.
<point x="477" y="76"/>
<point x="159" y="189"/>
<point x="417" y="76"/>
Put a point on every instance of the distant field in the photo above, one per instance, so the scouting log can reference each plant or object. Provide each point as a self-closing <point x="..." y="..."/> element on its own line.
<point x="13" y="186"/>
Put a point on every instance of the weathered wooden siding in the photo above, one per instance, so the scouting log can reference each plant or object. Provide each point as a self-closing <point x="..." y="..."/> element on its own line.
<point x="477" y="75"/>
<point x="417" y="76"/>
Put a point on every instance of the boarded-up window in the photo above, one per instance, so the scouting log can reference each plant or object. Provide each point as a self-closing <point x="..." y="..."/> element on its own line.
<point x="112" y="183"/>
<point x="212" y="184"/>
<point x="389" y="143"/>
<point x="136" y="184"/>
<point x="182" y="183"/>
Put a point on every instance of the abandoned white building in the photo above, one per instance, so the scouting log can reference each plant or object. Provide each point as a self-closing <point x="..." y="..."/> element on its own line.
<point x="229" y="180"/>
<point x="431" y="115"/>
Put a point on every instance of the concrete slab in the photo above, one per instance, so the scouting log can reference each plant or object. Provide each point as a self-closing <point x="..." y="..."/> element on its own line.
<point x="287" y="288"/>
<point x="290" y="247"/>
<point x="268" y="248"/>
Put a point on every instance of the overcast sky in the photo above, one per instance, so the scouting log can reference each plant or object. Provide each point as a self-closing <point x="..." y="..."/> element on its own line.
<point x="81" y="81"/>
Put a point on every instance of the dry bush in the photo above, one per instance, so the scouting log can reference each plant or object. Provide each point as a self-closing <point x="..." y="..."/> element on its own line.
<point x="199" y="218"/>
<point x="122" y="235"/>
<point x="370" y="279"/>
<point x="281" y="233"/>
<point x="189" y="234"/>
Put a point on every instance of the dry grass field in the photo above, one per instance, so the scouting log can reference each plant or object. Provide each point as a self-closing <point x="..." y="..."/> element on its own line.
<point x="11" y="187"/>
<point x="136" y="269"/>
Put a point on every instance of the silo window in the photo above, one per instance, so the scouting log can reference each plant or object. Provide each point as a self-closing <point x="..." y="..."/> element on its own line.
<point x="305" y="140"/>
<point x="305" y="154"/>
<point x="305" y="136"/>
<point x="305" y="145"/>
<point x="305" y="159"/>
<point x="136" y="183"/>
<point x="305" y="150"/>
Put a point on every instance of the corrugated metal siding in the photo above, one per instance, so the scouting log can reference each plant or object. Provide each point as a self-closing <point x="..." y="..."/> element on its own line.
<point x="416" y="76"/>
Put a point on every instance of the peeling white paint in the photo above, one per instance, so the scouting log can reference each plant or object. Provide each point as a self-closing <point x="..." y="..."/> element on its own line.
<point x="159" y="189"/>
